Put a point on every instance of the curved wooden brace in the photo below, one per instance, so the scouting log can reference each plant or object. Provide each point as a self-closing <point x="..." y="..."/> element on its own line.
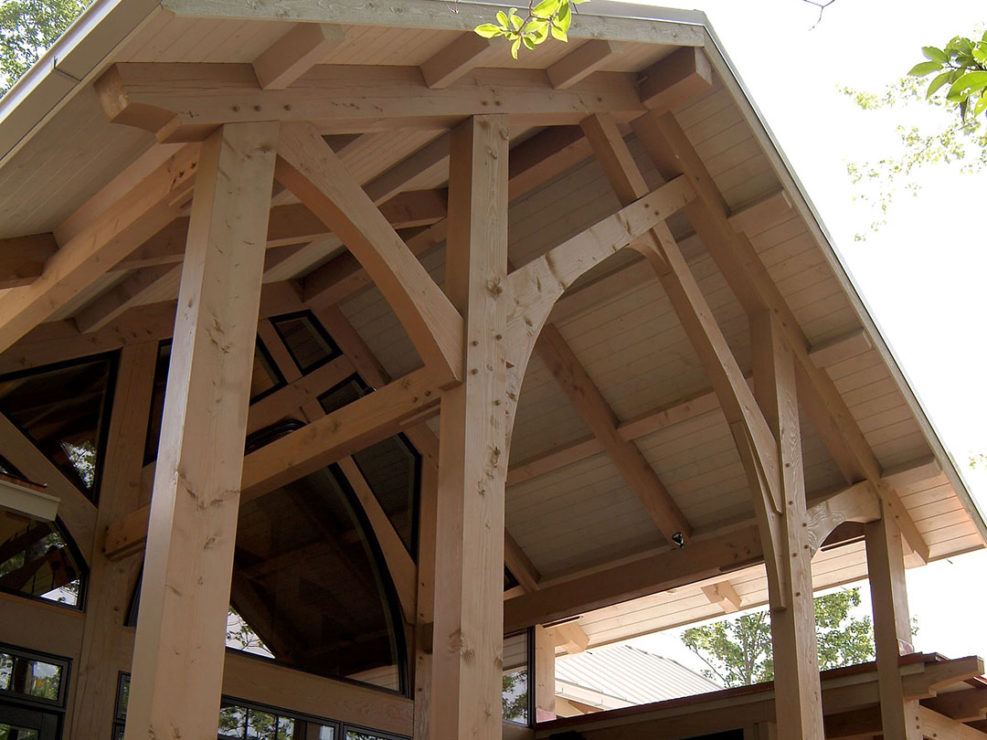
<point x="534" y="288"/>
<point x="308" y="167"/>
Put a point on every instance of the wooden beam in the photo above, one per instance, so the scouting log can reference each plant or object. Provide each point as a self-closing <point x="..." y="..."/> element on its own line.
<point x="368" y="420"/>
<point x="935" y="725"/>
<point x="669" y="568"/>
<point x="892" y="625"/>
<point x="570" y="637"/>
<point x="77" y="512"/>
<point x="756" y="444"/>
<point x="295" y="53"/>
<point x="938" y="675"/>
<point x="22" y="259"/>
<point x="399" y="563"/>
<point x="533" y="162"/>
<point x="580" y="63"/>
<point x="456" y="59"/>
<point x="110" y="585"/>
<point x="312" y="171"/>
<point x="858" y="503"/>
<point x="798" y="695"/>
<point x="183" y="102"/>
<point x="123" y="296"/>
<point x="179" y="650"/>
<point x="583" y="393"/>
<point x="82" y="260"/>
<point x="544" y="672"/>
<point x="519" y="565"/>
<point x="968" y="705"/>
<point x="723" y="595"/>
<point x="675" y="80"/>
<point x="669" y="147"/>
<point x="474" y="433"/>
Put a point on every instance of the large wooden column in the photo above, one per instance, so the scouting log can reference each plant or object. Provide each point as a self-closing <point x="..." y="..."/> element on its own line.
<point x="111" y="583"/>
<point x="179" y="650"/>
<point x="785" y="534"/>
<point x="892" y="625"/>
<point x="473" y="445"/>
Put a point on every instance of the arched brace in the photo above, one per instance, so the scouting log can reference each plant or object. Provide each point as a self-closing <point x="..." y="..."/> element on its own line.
<point x="308" y="167"/>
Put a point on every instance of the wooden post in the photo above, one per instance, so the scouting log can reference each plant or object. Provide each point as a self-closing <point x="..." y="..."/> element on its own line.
<point x="179" y="650"/>
<point x="544" y="673"/>
<point x="111" y="583"/>
<point x="892" y="625"/>
<point x="474" y="432"/>
<point x="798" y="695"/>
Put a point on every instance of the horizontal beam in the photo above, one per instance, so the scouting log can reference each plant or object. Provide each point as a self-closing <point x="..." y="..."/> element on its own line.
<point x="669" y="568"/>
<point x="185" y="102"/>
<point x="370" y="419"/>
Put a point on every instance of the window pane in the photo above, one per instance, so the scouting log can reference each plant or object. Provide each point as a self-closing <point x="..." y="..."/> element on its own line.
<point x="27" y="676"/>
<point x="261" y="725"/>
<point x="12" y="732"/>
<point x="63" y="409"/>
<point x="232" y="722"/>
<point x="306" y="340"/>
<point x="36" y="560"/>
<point x="515" y="686"/>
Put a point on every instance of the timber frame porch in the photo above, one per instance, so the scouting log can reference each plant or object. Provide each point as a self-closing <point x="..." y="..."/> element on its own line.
<point x="581" y="296"/>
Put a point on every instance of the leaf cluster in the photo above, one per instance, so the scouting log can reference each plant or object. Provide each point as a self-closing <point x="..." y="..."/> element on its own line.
<point x="547" y="18"/>
<point x="739" y="651"/>
<point x="27" y="29"/>
<point x="958" y="87"/>
<point x="961" y="64"/>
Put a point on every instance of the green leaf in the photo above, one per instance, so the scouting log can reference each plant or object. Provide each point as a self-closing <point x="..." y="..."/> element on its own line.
<point x="924" y="68"/>
<point x="502" y="18"/>
<point x="980" y="54"/>
<point x="565" y="17"/>
<point x="515" y="46"/>
<point x="547" y="8"/>
<point x="981" y="106"/>
<point x="559" y="33"/>
<point x="537" y="31"/>
<point x="516" y="21"/>
<point x="935" y="54"/>
<point x="528" y="41"/>
<point x="487" y="30"/>
<point x="969" y="83"/>
<point x="938" y="82"/>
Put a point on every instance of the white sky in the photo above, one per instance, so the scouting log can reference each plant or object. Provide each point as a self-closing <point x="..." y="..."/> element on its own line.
<point x="924" y="275"/>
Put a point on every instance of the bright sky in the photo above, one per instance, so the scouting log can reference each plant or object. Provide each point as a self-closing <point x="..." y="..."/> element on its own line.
<point x="924" y="275"/>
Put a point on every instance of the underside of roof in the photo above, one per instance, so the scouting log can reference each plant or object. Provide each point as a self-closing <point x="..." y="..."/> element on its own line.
<point x="135" y="85"/>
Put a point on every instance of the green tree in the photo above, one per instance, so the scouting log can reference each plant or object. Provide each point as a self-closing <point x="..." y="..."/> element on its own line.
<point x="27" y="29"/>
<point x="738" y="651"/>
<point x="957" y="90"/>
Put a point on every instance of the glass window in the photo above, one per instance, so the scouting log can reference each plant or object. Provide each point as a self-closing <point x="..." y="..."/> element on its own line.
<point x="32" y="675"/>
<point x="241" y="720"/>
<point x="515" y="687"/>
<point x="38" y="559"/>
<point x="64" y="410"/>
<point x="307" y="342"/>
<point x="265" y="379"/>
<point x="392" y="467"/>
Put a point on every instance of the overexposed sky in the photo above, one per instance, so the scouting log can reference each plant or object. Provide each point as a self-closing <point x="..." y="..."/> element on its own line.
<point x="924" y="275"/>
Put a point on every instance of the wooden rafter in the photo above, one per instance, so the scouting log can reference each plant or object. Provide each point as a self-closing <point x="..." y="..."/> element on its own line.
<point x="312" y="171"/>
<point x="185" y="102"/>
<point x="580" y="63"/>
<point x="600" y="418"/>
<point x="455" y="60"/>
<point x="23" y="258"/>
<point x="295" y="53"/>
<point x="669" y="147"/>
<point x="107" y="239"/>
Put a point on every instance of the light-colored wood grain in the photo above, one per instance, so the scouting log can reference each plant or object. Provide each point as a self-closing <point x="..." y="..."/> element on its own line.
<point x="294" y="54"/>
<point x="179" y="650"/>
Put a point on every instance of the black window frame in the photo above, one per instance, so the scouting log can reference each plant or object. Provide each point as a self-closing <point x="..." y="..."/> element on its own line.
<point x="335" y="352"/>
